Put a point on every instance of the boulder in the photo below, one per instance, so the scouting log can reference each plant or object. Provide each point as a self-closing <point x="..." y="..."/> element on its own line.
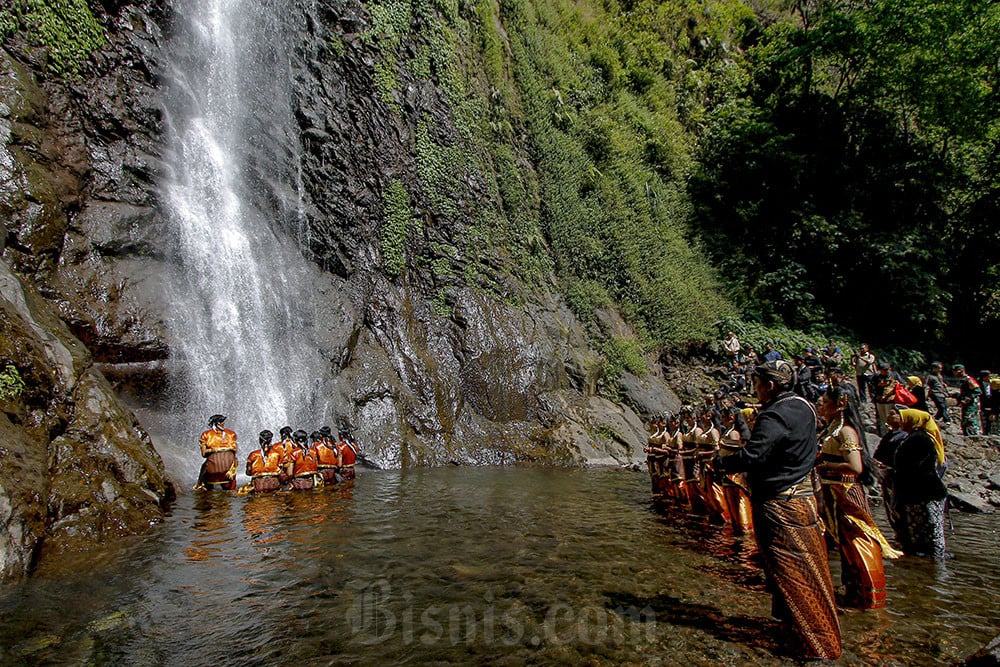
<point x="969" y="502"/>
<point x="987" y="656"/>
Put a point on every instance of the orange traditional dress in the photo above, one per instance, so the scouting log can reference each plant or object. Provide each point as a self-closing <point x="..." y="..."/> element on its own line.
<point x="849" y="524"/>
<point x="734" y="486"/>
<point x="328" y="461"/>
<point x="218" y="447"/>
<point x="711" y="490"/>
<point x="264" y="468"/>
<point x="305" y="469"/>
<point x="690" y="462"/>
<point x="348" y="457"/>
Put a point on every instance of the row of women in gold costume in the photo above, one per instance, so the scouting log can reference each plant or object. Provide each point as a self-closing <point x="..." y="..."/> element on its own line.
<point x="681" y="454"/>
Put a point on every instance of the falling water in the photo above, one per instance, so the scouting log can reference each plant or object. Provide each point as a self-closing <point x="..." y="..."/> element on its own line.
<point x="240" y="324"/>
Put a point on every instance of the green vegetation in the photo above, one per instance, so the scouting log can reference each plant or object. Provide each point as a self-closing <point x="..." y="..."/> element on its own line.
<point x="11" y="383"/>
<point x="806" y="167"/>
<point x="620" y="355"/>
<point x="66" y="28"/>
<point x="398" y="218"/>
<point x="852" y="178"/>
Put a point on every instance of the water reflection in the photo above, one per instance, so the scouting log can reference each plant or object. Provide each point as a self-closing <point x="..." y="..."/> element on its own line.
<point x="465" y="566"/>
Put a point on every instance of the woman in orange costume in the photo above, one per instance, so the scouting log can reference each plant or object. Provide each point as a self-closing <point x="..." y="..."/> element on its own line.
<point x="348" y="454"/>
<point x="688" y="441"/>
<point x="708" y="446"/>
<point x="264" y="465"/>
<point x="734" y="485"/>
<point x="218" y="448"/>
<point x="301" y="466"/>
<point x="327" y="456"/>
<point x="655" y="455"/>
<point x="846" y="513"/>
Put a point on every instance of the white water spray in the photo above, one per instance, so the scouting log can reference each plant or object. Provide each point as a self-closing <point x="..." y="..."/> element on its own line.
<point x="240" y="321"/>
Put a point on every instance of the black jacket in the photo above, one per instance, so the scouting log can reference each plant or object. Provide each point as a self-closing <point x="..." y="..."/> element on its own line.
<point x="782" y="448"/>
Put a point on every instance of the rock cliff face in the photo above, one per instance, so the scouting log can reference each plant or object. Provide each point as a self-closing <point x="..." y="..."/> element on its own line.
<point x="438" y="351"/>
<point x="78" y="467"/>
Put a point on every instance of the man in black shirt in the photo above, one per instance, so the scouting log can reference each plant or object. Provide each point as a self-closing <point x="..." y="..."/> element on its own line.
<point x="778" y="460"/>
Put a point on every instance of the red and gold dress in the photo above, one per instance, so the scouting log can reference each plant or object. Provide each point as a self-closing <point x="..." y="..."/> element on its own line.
<point x="849" y="524"/>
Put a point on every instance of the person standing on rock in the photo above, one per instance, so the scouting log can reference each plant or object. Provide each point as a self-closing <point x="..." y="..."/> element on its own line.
<point x="937" y="391"/>
<point x="218" y="448"/>
<point x="864" y="369"/>
<point x="968" y="400"/>
<point x="778" y="460"/>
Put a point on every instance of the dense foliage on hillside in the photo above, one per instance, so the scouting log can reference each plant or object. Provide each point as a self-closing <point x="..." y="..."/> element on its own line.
<point x="828" y="164"/>
<point x="853" y="179"/>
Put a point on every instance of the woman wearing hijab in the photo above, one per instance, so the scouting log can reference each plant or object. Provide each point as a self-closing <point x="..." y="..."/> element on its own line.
<point x="916" y="387"/>
<point x="920" y="494"/>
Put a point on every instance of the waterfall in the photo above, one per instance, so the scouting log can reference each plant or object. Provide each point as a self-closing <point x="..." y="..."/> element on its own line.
<point x="239" y="316"/>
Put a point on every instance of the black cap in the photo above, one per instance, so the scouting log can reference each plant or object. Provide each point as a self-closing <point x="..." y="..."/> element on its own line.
<point x="265" y="437"/>
<point x="326" y="431"/>
<point x="216" y="419"/>
<point x="300" y="436"/>
<point x="285" y="431"/>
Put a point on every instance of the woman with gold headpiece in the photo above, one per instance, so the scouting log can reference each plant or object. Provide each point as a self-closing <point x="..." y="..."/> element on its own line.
<point x="846" y="511"/>
<point x="919" y="492"/>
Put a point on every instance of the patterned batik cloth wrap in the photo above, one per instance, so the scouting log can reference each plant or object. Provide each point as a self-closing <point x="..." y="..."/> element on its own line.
<point x="790" y="540"/>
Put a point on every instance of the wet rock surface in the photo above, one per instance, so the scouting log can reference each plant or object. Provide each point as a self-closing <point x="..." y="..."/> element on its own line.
<point x="78" y="468"/>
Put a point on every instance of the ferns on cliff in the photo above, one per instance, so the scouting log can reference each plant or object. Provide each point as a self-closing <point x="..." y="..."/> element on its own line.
<point x="66" y="28"/>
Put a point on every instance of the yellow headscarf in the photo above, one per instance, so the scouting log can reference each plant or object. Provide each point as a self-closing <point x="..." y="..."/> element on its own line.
<point x="914" y="381"/>
<point x="919" y="420"/>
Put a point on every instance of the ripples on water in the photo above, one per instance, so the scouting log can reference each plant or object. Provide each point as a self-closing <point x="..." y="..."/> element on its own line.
<point x="465" y="566"/>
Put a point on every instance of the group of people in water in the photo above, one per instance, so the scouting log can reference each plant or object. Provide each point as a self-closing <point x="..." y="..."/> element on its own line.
<point x="793" y="472"/>
<point x="297" y="461"/>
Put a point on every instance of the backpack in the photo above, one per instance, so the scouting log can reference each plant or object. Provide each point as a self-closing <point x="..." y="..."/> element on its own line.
<point x="904" y="396"/>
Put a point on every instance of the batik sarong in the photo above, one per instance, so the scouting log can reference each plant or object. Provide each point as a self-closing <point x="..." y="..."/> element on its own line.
<point x="790" y="540"/>
<point x="921" y="528"/>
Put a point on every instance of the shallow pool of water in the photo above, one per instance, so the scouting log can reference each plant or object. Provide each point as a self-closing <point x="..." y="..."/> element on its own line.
<point x="465" y="566"/>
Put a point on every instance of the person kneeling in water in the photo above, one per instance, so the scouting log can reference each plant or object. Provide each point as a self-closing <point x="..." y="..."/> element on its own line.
<point x="218" y="448"/>
<point x="327" y="456"/>
<point x="302" y="465"/>
<point x="264" y="465"/>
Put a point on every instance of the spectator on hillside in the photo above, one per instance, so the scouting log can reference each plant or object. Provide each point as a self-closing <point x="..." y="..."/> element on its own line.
<point x="770" y="354"/>
<point x="864" y="369"/>
<point x="987" y="402"/>
<point x="937" y="391"/>
<point x="968" y="400"/>
<point x="811" y="360"/>
<point x="884" y="395"/>
<point x="830" y="356"/>
<point x="750" y="357"/>
<point x="803" y="379"/>
<point x="731" y="346"/>
<point x="916" y="387"/>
